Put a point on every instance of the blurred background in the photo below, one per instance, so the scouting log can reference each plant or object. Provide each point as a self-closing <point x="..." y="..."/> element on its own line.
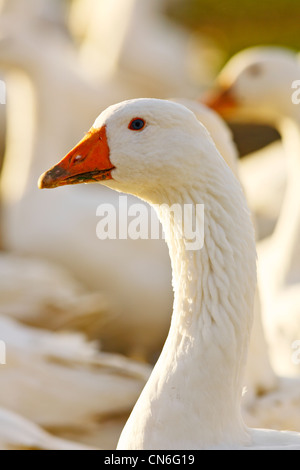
<point x="73" y="309"/>
<point x="234" y="27"/>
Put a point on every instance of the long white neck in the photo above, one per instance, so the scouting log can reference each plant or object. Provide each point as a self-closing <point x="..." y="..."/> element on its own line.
<point x="287" y="232"/>
<point x="192" y="399"/>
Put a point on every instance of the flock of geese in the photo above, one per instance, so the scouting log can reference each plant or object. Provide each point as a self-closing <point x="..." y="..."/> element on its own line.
<point x="84" y="320"/>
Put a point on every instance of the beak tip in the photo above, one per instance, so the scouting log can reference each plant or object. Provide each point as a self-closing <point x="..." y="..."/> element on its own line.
<point x="45" y="181"/>
<point x="40" y="183"/>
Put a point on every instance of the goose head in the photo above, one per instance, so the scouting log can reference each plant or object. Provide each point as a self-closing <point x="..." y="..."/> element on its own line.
<point x="256" y="84"/>
<point x="141" y="147"/>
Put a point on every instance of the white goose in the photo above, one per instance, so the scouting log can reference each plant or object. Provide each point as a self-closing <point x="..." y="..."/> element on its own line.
<point x="160" y="152"/>
<point x="260" y="377"/>
<point x="257" y="85"/>
<point x="18" y="433"/>
<point x="141" y="280"/>
<point x="65" y="384"/>
<point x="52" y="12"/>
<point x="47" y="68"/>
<point x="158" y="63"/>
<point x="42" y="294"/>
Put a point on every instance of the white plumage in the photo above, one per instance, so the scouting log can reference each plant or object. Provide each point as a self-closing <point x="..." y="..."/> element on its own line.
<point x="198" y="378"/>
<point x="66" y="385"/>
<point x="42" y="294"/>
<point x="65" y="233"/>
<point x="17" y="433"/>
<point x="268" y="74"/>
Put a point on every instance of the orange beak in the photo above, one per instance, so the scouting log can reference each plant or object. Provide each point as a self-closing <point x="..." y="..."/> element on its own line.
<point x="222" y="101"/>
<point x="88" y="162"/>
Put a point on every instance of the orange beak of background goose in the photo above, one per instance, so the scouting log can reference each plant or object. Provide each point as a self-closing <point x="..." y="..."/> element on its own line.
<point x="88" y="162"/>
<point x="222" y="101"/>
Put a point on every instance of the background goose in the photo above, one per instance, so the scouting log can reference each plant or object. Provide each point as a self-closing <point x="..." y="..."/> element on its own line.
<point x="263" y="175"/>
<point x="159" y="63"/>
<point x="53" y="12"/>
<point x="62" y="242"/>
<point x="45" y="68"/>
<point x="42" y="294"/>
<point x="267" y="75"/>
<point x="66" y="385"/>
<point x="17" y="433"/>
<point x="197" y="381"/>
<point x="260" y="377"/>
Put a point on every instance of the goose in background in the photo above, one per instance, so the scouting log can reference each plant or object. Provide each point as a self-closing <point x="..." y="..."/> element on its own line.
<point x="220" y="132"/>
<point x="73" y="240"/>
<point x="18" y="433"/>
<point x="260" y="377"/>
<point x="53" y="13"/>
<point x="41" y="294"/>
<point x="256" y="84"/>
<point x="159" y="151"/>
<point x="42" y="136"/>
<point x="264" y="168"/>
<point x="148" y="49"/>
<point x="65" y="384"/>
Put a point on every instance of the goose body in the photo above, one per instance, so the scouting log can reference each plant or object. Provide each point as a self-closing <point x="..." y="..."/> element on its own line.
<point x="159" y="63"/>
<point x="18" y="433"/>
<point x="52" y="12"/>
<point x="48" y="67"/>
<point x="260" y="377"/>
<point x="159" y="151"/>
<point x="65" y="384"/>
<point x="263" y="175"/>
<point x="139" y="286"/>
<point x="43" y="294"/>
<point x="268" y="75"/>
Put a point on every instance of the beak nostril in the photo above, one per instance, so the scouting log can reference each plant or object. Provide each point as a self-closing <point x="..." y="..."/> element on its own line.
<point x="78" y="158"/>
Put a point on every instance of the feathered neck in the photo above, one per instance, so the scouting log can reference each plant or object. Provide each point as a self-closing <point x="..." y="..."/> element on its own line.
<point x="287" y="232"/>
<point x="192" y="399"/>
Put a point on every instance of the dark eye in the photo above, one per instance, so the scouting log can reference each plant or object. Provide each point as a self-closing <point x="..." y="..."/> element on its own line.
<point x="256" y="70"/>
<point x="137" y="124"/>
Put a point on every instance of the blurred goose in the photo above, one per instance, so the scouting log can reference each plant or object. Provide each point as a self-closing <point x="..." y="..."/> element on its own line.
<point x="141" y="279"/>
<point x="149" y="50"/>
<point x="260" y="377"/>
<point x="264" y="168"/>
<point x="17" y="433"/>
<point x="53" y="12"/>
<point x="159" y="151"/>
<point x="49" y="15"/>
<point x="48" y="74"/>
<point x="64" y="384"/>
<point x="257" y="83"/>
<point x="43" y="294"/>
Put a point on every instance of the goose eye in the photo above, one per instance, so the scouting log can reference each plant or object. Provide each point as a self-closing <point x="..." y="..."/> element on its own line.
<point x="137" y="124"/>
<point x="255" y="70"/>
